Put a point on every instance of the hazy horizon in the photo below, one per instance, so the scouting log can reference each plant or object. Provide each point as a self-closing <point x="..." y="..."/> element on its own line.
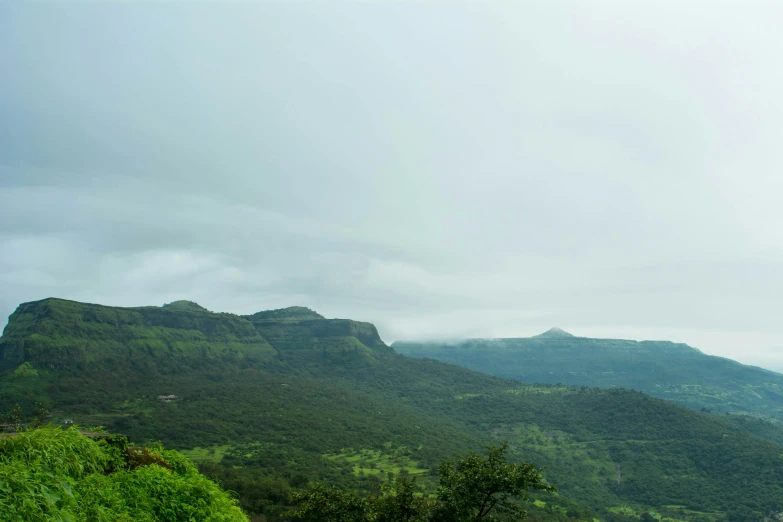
<point x="441" y="170"/>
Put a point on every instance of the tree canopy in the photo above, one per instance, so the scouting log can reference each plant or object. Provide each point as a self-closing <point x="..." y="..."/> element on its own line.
<point x="476" y="487"/>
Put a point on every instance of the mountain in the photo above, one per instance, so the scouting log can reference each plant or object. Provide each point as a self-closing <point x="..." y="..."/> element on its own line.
<point x="554" y="333"/>
<point x="270" y="401"/>
<point x="671" y="371"/>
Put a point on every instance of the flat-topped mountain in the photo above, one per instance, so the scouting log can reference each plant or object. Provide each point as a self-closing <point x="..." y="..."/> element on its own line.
<point x="271" y="401"/>
<point x="671" y="371"/>
<point x="292" y="313"/>
<point x="58" y="333"/>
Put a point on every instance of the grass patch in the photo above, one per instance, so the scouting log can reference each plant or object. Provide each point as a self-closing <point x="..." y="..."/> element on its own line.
<point x="208" y="454"/>
<point x="469" y="396"/>
<point x="377" y="462"/>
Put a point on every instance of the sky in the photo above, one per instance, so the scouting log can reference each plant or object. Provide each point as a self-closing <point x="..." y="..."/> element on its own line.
<point x="441" y="169"/>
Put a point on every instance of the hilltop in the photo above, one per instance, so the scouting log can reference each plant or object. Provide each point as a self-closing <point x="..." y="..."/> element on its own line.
<point x="185" y="306"/>
<point x="270" y="401"/>
<point x="553" y="333"/>
<point x="672" y="371"/>
<point x="57" y="333"/>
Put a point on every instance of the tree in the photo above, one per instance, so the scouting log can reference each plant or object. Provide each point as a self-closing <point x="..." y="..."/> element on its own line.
<point x="329" y="504"/>
<point x="16" y="416"/>
<point x="399" y="502"/>
<point x="42" y="413"/>
<point x="486" y="487"/>
<point x="472" y="488"/>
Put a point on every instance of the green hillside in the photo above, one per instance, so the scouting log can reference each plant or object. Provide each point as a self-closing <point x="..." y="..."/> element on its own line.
<point x="671" y="371"/>
<point x="269" y="402"/>
<point x="54" y="475"/>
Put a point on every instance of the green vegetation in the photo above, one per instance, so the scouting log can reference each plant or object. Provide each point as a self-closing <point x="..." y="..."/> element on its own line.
<point x="269" y="403"/>
<point x="670" y="371"/>
<point x="377" y="462"/>
<point x="477" y="487"/>
<point x="210" y="454"/>
<point x="51" y="474"/>
<point x="25" y="370"/>
<point x="472" y="488"/>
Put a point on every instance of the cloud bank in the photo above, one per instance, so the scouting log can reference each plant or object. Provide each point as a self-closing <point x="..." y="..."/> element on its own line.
<point x="439" y="169"/>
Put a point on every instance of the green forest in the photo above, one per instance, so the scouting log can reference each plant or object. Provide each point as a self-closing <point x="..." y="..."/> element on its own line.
<point x="272" y="405"/>
<point x="671" y="371"/>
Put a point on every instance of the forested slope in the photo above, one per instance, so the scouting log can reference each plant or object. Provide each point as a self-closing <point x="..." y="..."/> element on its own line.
<point x="671" y="371"/>
<point x="269" y="402"/>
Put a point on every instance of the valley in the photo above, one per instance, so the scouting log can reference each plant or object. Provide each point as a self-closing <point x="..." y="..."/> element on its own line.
<point x="270" y="402"/>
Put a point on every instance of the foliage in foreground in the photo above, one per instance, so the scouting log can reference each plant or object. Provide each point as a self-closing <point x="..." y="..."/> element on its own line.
<point x="51" y="474"/>
<point x="472" y="488"/>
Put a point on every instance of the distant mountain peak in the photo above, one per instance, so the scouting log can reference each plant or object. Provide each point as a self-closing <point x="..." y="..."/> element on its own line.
<point x="185" y="305"/>
<point x="553" y="333"/>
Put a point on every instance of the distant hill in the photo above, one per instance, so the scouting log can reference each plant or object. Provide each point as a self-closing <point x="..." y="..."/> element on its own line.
<point x="554" y="333"/>
<point x="185" y="306"/>
<point x="270" y="401"/>
<point x="676" y="372"/>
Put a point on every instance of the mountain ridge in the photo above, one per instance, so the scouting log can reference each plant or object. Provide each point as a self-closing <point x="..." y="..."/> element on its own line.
<point x="57" y="332"/>
<point x="311" y="399"/>
<point x="668" y="370"/>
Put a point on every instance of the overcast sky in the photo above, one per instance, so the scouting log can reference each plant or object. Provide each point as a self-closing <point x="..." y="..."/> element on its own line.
<point x="442" y="170"/>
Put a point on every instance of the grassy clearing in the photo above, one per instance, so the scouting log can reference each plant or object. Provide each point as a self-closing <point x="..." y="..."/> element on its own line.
<point x="540" y="390"/>
<point x="208" y="454"/>
<point x="554" y="444"/>
<point x="469" y="396"/>
<point x="668" y="513"/>
<point x="377" y="462"/>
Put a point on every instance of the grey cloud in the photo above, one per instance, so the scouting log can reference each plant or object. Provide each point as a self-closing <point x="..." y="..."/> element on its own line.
<point x="440" y="169"/>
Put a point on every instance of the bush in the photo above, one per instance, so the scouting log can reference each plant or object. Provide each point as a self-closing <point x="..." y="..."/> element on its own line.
<point x="51" y="474"/>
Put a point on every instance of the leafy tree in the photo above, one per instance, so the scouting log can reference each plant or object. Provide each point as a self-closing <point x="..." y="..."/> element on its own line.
<point x="330" y="504"/>
<point x="16" y="416"/>
<point x="475" y="487"/>
<point x="486" y="487"/>
<point x="400" y="502"/>
<point x="42" y="412"/>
